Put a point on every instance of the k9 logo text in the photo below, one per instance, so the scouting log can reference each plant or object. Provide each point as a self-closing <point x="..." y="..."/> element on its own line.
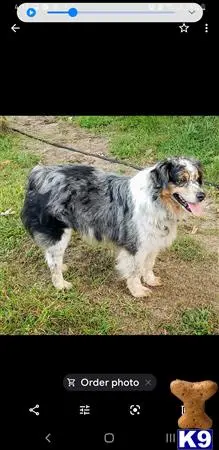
<point x="195" y="439"/>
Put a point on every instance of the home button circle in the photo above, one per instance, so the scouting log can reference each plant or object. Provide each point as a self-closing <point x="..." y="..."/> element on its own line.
<point x="109" y="438"/>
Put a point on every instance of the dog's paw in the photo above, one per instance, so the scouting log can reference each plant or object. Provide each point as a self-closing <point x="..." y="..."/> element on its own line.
<point x="137" y="289"/>
<point x="67" y="285"/>
<point x="141" y="292"/>
<point x="152" y="281"/>
<point x="62" y="284"/>
<point x="64" y="267"/>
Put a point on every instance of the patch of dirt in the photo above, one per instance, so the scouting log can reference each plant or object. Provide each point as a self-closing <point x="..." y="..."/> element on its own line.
<point x="64" y="133"/>
<point x="184" y="284"/>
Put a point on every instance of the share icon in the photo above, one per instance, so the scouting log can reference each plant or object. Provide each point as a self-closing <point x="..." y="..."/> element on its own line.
<point x="32" y="410"/>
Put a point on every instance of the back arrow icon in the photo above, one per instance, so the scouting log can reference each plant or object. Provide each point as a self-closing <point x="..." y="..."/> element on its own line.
<point x="47" y="438"/>
<point x="15" y="28"/>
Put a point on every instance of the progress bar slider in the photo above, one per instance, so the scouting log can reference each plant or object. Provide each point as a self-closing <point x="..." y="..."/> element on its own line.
<point x="109" y="12"/>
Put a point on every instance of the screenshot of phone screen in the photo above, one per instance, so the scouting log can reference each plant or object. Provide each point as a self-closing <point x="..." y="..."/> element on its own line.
<point x="109" y="178"/>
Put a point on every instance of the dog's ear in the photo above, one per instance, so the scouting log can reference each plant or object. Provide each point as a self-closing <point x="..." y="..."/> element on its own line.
<point x="199" y="168"/>
<point x="161" y="174"/>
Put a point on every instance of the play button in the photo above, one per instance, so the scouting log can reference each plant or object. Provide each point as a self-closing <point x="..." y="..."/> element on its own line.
<point x="31" y="12"/>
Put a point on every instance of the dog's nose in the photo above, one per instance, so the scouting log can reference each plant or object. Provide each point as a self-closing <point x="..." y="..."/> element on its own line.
<point x="200" y="196"/>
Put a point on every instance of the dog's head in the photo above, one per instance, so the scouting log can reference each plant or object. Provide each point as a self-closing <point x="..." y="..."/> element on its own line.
<point x="178" y="183"/>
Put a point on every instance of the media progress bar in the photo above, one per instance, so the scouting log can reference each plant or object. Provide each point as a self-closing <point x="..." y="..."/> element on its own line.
<point x="109" y="12"/>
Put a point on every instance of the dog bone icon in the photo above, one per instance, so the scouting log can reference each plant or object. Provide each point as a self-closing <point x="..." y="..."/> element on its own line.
<point x="194" y="396"/>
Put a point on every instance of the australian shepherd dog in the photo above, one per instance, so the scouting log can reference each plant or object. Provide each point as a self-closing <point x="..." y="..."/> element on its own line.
<point x="138" y="214"/>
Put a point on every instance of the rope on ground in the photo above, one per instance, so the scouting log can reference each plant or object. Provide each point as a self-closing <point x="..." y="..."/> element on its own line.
<point x="94" y="155"/>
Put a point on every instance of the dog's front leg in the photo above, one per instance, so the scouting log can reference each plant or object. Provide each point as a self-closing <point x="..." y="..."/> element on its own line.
<point x="147" y="270"/>
<point x="129" y="267"/>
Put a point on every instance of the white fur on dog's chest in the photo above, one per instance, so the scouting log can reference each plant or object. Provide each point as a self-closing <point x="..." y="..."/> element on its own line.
<point x="156" y="226"/>
<point x="156" y="235"/>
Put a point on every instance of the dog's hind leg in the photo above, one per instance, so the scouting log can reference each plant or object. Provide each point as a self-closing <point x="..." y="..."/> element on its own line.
<point x="129" y="267"/>
<point x="147" y="271"/>
<point x="54" y="257"/>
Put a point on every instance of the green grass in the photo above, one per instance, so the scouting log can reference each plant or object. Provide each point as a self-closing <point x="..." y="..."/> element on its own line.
<point x="187" y="249"/>
<point x="195" y="321"/>
<point x="35" y="308"/>
<point x="14" y="167"/>
<point x="149" y="138"/>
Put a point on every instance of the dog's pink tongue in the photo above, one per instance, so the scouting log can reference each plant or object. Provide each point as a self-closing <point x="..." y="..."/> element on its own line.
<point x="196" y="208"/>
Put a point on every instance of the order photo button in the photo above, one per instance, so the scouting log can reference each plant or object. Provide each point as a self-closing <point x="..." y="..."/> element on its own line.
<point x="109" y="382"/>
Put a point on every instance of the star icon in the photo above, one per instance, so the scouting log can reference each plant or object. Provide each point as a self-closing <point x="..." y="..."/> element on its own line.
<point x="184" y="27"/>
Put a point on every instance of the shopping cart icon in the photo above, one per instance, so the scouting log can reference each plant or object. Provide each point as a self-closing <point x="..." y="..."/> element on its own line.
<point x="71" y="382"/>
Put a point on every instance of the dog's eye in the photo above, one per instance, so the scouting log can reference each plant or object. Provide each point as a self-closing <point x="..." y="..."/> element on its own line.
<point x="183" y="180"/>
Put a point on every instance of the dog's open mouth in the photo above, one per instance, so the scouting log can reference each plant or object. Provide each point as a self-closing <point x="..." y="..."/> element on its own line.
<point x="194" y="208"/>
